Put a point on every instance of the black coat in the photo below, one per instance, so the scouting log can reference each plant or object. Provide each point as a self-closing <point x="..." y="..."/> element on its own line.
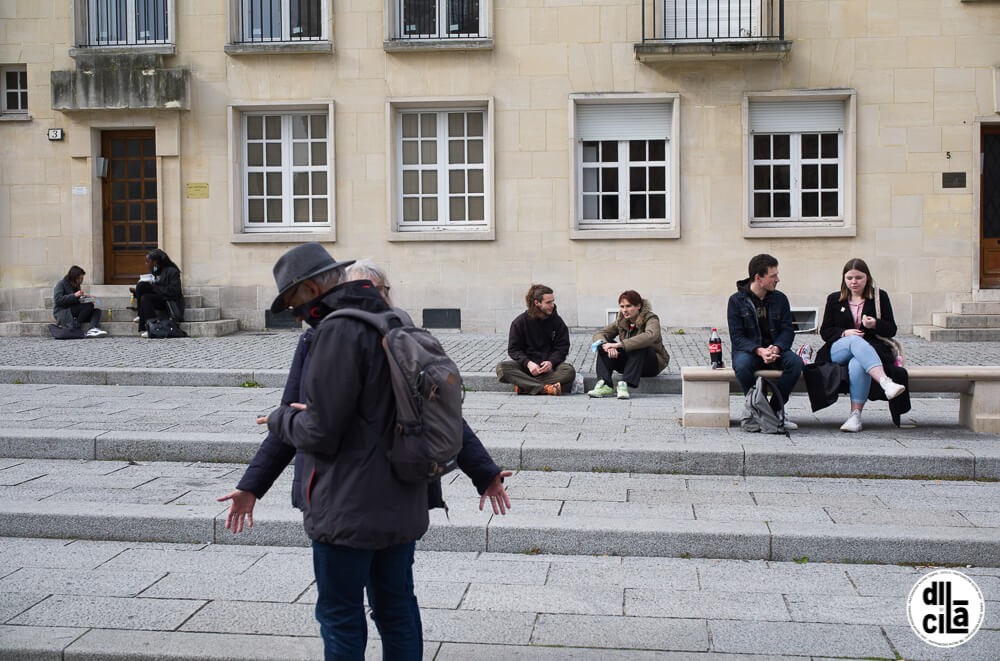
<point x="273" y="456"/>
<point x="837" y="318"/>
<point x="538" y="340"/>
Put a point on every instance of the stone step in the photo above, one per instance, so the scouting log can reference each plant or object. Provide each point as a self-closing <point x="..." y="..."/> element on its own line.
<point x="937" y="334"/>
<point x="564" y="513"/>
<point x="120" y="314"/>
<point x="976" y="307"/>
<point x="963" y="457"/>
<point x="124" y="300"/>
<point x="10" y="328"/>
<point x="945" y="320"/>
<point x="213" y="328"/>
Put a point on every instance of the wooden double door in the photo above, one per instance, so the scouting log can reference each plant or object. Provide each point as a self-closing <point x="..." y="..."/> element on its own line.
<point x="129" y="195"/>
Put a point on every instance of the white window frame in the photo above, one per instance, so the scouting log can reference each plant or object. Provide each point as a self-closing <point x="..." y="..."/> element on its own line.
<point x="288" y="230"/>
<point x="396" y="37"/>
<point x="796" y="225"/>
<point x="443" y="229"/>
<point x="625" y="227"/>
<point x="87" y="26"/>
<point x="239" y="14"/>
<point x="4" y="90"/>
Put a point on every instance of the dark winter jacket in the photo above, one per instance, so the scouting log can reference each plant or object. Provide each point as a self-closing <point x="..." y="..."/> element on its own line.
<point x="645" y="332"/>
<point x="350" y="496"/>
<point x="167" y="284"/>
<point x="837" y="318"/>
<point x="273" y="455"/>
<point x="744" y="332"/>
<point x="538" y="340"/>
<point x="64" y="298"/>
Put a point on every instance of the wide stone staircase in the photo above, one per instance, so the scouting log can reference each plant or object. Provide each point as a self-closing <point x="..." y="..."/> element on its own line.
<point x="968" y="321"/>
<point x="630" y="537"/>
<point x="200" y="318"/>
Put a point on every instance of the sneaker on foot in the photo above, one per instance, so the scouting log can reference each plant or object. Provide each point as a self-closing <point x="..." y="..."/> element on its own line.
<point x="136" y="320"/>
<point x="623" y="390"/>
<point x="853" y="423"/>
<point x="601" y="389"/>
<point x="891" y="388"/>
<point x="789" y="425"/>
<point x="517" y="391"/>
<point x="144" y="334"/>
<point x="554" y="389"/>
<point x="96" y="332"/>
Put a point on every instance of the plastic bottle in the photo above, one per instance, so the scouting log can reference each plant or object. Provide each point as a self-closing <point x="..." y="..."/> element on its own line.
<point x="806" y="353"/>
<point x="715" y="349"/>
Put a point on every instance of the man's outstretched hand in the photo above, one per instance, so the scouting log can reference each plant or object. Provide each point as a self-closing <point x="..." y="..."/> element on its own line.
<point x="496" y="494"/>
<point x="240" y="509"/>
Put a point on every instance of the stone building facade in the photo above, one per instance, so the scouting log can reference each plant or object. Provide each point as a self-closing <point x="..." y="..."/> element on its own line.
<point x="476" y="146"/>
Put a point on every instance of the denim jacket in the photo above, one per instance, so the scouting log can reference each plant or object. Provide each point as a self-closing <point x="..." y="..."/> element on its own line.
<point x="744" y="332"/>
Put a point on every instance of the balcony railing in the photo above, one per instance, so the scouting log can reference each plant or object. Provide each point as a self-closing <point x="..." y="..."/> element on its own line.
<point x="267" y="21"/>
<point x="689" y="21"/>
<point x="123" y="22"/>
<point x="437" y="19"/>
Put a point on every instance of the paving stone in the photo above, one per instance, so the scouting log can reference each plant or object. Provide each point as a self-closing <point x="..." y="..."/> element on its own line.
<point x="37" y="643"/>
<point x="704" y="512"/>
<point x="705" y="604"/>
<point x="466" y="570"/>
<point x="590" y="599"/>
<point x="848" y="609"/>
<point x="781" y="578"/>
<point x="897" y="517"/>
<point x="14" y="603"/>
<point x="258" y="617"/>
<point x="108" y="612"/>
<point x="18" y="552"/>
<point x="109" y="644"/>
<point x="981" y="647"/>
<point x="96" y="582"/>
<point x="799" y="638"/>
<point x="468" y="626"/>
<point x="645" y="633"/>
<point x="236" y="561"/>
<point x="605" y="509"/>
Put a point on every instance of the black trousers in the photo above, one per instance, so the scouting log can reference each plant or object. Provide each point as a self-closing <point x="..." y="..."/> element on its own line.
<point x="86" y="313"/>
<point x="148" y="302"/>
<point x="631" y="364"/>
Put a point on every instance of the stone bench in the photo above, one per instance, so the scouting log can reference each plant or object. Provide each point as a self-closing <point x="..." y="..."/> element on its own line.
<point x="706" y="393"/>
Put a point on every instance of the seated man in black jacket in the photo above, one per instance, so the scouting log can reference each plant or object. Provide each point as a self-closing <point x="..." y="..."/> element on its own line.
<point x="537" y="345"/>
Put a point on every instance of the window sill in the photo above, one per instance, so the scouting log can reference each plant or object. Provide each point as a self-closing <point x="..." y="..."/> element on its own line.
<point x="279" y="48"/>
<point x="15" y="117"/>
<point x="443" y="235"/>
<point x="798" y="231"/>
<point x="143" y="49"/>
<point x="603" y="233"/>
<point x="403" y="45"/>
<point x="326" y="234"/>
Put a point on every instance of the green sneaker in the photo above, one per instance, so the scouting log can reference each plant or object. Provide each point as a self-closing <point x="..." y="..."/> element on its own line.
<point x="601" y="389"/>
<point x="622" y="390"/>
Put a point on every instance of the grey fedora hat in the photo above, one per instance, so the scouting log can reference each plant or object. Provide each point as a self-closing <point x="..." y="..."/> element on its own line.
<point x="301" y="263"/>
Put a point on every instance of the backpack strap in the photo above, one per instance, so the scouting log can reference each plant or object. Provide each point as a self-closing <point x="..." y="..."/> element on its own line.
<point x="380" y="320"/>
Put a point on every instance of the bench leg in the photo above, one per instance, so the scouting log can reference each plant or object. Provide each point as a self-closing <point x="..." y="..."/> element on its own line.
<point x="706" y="403"/>
<point x="979" y="410"/>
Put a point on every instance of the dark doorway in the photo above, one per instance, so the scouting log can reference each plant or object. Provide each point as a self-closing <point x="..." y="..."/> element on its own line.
<point x="989" y="209"/>
<point x="129" y="201"/>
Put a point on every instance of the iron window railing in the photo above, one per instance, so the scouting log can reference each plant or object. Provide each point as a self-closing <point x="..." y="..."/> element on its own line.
<point x="280" y="20"/>
<point x="712" y="20"/>
<point x="438" y="19"/>
<point x="124" y="22"/>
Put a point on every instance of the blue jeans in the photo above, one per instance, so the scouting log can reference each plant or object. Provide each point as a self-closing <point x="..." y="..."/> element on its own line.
<point x="342" y="574"/>
<point x="859" y="356"/>
<point x="746" y="363"/>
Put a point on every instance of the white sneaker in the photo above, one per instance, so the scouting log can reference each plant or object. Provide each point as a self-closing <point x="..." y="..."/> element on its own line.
<point x="853" y="423"/>
<point x="623" y="390"/>
<point x="144" y="334"/>
<point x="789" y="425"/>
<point x="95" y="332"/>
<point x="891" y="388"/>
<point x="136" y="320"/>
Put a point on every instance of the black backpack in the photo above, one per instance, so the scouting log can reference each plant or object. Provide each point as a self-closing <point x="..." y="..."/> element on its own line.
<point x="764" y="409"/>
<point x="428" y="391"/>
<point x="161" y="328"/>
<point x="66" y="332"/>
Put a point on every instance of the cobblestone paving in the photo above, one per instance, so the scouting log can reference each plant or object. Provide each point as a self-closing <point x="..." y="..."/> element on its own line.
<point x="474" y="352"/>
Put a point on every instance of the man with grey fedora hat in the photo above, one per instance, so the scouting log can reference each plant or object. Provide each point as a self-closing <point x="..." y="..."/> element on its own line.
<point x="363" y="522"/>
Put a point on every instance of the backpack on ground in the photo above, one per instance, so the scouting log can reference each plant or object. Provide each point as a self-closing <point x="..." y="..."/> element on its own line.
<point x="428" y="390"/>
<point x="66" y="332"/>
<point x="161" y="328"/>
<point x="764" y="409"/>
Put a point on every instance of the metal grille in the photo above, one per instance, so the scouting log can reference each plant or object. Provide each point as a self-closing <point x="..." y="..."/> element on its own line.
<point x="280" y="20"/>
<point x="714" y="20"/>
<point x="124" y="22"/>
